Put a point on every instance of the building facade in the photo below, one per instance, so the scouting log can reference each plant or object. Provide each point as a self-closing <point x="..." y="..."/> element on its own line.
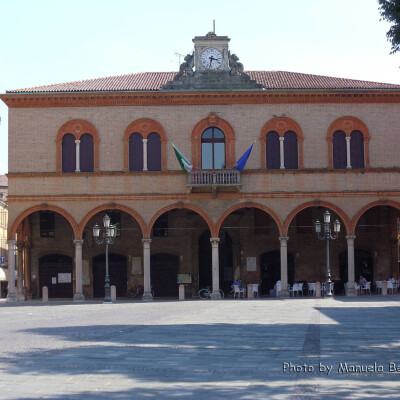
<point x="3" y="235"/>
<point x="80" y="150"/>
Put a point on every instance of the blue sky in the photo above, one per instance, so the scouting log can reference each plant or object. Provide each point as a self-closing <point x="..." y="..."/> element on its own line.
<point x="54" y="41"/>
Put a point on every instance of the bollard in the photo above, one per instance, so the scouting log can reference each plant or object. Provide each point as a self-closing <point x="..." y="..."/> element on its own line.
<point x="113" y="294"/>
<point x="250" y="291"/>
<point x="384" y="288"/>
<point x="318" y="289"/>
<point x="45" y="293"/>
<point x="181" y="292"/>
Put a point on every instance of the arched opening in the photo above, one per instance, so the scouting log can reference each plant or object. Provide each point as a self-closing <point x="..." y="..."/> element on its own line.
<point x="117" y="267"/>
<point x="56" y="273"/>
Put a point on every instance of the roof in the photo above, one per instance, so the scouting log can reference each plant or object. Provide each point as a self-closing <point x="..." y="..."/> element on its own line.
<point x="153" y="81"/>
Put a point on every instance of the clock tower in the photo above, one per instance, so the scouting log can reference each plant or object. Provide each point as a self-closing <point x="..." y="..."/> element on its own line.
<point x="211" y="66"/>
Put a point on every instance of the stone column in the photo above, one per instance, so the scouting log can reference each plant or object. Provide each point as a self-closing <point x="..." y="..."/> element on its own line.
<point x="11" y="295"/>
<point x="78" y="296"/>
<point x="20" y="272"/>
<point x="147" y="296"/>
<point x="27" y="272"/>
<point x="78" y="159"/>
<point x="215" y="269"/>
<point x="144" y="154"/>
<point x="351" y="291"/>
<point x="284" y="270"/>
<point x="348" y="152"/>
<point x="282" y="153"/>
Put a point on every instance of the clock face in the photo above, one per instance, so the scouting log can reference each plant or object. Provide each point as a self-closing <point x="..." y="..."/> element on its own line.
<point x="211" y="58"/>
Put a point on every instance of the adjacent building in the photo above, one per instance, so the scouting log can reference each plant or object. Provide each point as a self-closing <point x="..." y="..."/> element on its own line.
<point x="3" y="235"/>
<point x="81" y="150"/>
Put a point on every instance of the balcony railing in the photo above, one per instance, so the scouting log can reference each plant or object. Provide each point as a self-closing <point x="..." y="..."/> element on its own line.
<point x="214" y="178"/>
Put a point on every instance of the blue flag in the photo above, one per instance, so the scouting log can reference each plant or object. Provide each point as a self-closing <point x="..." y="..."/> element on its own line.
<point x="242" y="160"/>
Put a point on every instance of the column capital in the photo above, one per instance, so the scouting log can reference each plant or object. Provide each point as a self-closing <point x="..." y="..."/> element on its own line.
<point x="350" y="237"/>
<point x="348" y="138"/>
<point x="281" y="138"/>
<point x="144" y="140"/>
<point x="11" y="242"/>
<point x="146" y="240"/>
<point x="283" y="238"/>
<point x="214" y="240"/>
<point x="77" y="141"/>
<point x="78" y="242"/>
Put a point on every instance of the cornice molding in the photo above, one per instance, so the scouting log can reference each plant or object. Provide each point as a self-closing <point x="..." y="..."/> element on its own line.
<point x="95" y="99"/>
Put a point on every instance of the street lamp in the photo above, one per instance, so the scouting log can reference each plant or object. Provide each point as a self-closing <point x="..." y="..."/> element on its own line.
<point x="109" y="234"/>
<point x="326" y="234"/>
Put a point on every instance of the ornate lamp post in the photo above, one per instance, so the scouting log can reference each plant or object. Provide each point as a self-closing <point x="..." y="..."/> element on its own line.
<point x="109" y="234"/>
<point x="327" y="235"/>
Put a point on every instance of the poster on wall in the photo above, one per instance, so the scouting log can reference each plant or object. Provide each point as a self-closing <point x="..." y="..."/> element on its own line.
<point x="251" y="263"/>
<point x="64" y="277"/>
<point x="136" y="266"/>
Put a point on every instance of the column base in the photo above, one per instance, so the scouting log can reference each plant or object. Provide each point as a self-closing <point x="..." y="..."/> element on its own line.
<point x="12" y="298"/>
<point x="284" y="294"/>
<point x="147" y="296"/>
<point x="216" y="295"/>
<point x="21" y="297"/>
<point x="79" y="297"/>
<point x="351" y="292"/>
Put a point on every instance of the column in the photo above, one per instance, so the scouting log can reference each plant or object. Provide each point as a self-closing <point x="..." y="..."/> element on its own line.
<point x="20" y="272"/>
<point x="147" y="296"/>
<point x="27" y="271"/>
<point x="282" y="153"/>
<point x="351" y="291"/>
<point x="348" y="152"/>
<point x="11" y="295"/>
<point x="144" y="154"/>
<point x="78" y="158"/>
<point x="216" y="295"/>
<point x="284" y="269"/>
<point x="78" y="296"/>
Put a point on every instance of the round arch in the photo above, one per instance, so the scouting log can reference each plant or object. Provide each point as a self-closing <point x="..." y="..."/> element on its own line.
<point x="180" y="205"/>
<point x="42" y="207"/>
<point x="230" y="210"/>
<point x="377" y="203"/>
<point x="112" y="206"/>
<point x="339" y="212"/>
<point x="77" y="127"/>
<point x="281" y="125"/>
<point x="201" y="126"/>
<point x="145" y="126"/>
<point x="348" y="124"/>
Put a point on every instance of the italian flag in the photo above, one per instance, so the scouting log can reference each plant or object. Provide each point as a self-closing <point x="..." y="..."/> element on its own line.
<point x="183" y="161"/>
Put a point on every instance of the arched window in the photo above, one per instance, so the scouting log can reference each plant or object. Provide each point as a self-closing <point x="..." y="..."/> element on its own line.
<point x="290" y="150"/>
<point x="136" y="152"/>
<point x="213" y="149"/>
<point x="348" y="143"/>
<point x="77" y="147"/>
<point x="272" y="150"/>
<point x="145" y="146"/>
<point x="339" y="150"/>
<point x="86" y="153"/>
<point x="357" y="149"/>
<point x="68" y="153"/>
<point x="154" y="152"/>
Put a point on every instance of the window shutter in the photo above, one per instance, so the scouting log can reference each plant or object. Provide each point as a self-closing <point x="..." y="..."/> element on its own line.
<point x="135" y="152"/>
<point x="290" y="150"/>
<point x="86" y="153"/>
<point x="68" y="153"/>
<point x="339" y="150"/>
<point x="272" y="150"/>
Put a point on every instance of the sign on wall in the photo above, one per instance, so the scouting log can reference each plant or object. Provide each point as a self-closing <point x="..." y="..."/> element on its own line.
<point x="64" y="277"/>
<point x="251" y="263"/>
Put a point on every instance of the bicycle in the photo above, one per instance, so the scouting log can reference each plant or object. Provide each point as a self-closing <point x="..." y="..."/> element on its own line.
<point x="206" y="293"/>
<point x="136" y="291"/>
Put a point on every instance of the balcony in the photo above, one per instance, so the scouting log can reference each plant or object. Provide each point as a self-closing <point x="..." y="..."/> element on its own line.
<point x="213" y="180"/>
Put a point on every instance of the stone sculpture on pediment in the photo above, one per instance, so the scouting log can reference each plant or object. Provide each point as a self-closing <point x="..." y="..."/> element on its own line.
<point x="187" y="66"/>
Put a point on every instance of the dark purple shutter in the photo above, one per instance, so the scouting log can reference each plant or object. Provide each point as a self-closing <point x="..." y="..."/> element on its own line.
<point x="272" y="150"/>
<point x="68" y="153"/>
<point x="339" y="150"/>
<point x="135" y="152"/>
<point x="86" y="153"/>
<point x="154" y="152"/>
<point x="290" y="150"/>
<point x="357" y="149"/>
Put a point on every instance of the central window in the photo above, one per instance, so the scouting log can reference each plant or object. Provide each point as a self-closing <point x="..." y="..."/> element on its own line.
<point x="213" y="149"/>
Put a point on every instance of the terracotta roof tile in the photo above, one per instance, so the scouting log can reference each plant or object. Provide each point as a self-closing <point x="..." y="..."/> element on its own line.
<point x="148" y="81"/>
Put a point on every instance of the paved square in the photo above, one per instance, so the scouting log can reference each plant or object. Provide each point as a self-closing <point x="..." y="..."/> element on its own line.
<point x="238" y="349"/>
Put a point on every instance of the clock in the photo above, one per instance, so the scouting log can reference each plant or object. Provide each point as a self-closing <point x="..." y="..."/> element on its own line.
<point x="211" y="58"/>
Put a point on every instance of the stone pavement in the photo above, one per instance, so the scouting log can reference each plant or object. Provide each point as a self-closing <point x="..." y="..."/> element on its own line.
<point x="342" y="348"/>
